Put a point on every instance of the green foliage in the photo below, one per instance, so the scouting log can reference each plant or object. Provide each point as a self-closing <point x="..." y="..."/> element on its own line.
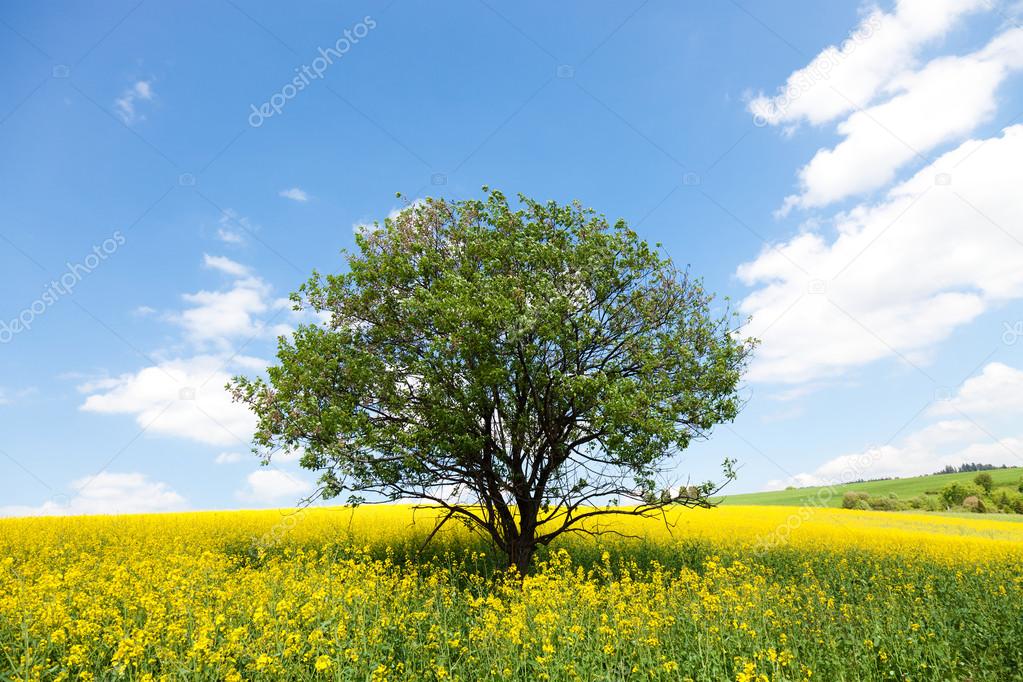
<point x="984" y="480"/>
<point x="958" y="496"/>
<point x="924" y="503"/>
<point x="533" y="360"/>
<point x="886" y="504"/>
<point x="865" y="501"/>
<point x="954" y="495"/>
<point x="851" y="500"/>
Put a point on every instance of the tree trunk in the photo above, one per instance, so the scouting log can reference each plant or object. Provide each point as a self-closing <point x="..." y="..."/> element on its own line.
<point x="520" y="554"/>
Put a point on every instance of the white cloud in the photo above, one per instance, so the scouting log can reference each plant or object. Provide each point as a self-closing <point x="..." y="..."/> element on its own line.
<point x="881" y="48"/>
<point x="368" y="226"/>
<point x="943" y="102"/>
<point x="232" y="227"/>
<point x="229" y="458"/>
<point x="107" y="493"/>
<point x="91" y="384"/>
<point x="795" y="392"/>
<point x="249" y="362"/>
<point x="8" y="397"/>
<point x="186" y="397"/>
<point x="784" y="414"/>
<point x="229" y="236"/>
<point x="215" y="318"/>
<point x="900" y="275"/>
<point x="219" y="315"/>
<point x="125" y="104"/>
<point x="225" y="265"/>
<point x="926" y="451"/>
<point x="996" y="390"/>
<point x="269" y="486"/>
<point x="295" y="194"/>
<point x="180" y="398"/>
<point x="289" y="455"/>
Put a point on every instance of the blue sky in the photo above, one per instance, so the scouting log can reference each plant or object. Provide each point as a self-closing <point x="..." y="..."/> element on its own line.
<point x="847" y="174"/>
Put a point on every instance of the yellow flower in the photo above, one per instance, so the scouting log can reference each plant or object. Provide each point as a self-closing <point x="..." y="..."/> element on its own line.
<point x="247" y="594"/>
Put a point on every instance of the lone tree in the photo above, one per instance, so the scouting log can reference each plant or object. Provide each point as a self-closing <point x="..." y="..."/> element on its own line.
<point x="528" y="370"/>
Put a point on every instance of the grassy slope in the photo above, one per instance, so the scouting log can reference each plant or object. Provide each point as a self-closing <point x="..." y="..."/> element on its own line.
<point x="903" y="487"/>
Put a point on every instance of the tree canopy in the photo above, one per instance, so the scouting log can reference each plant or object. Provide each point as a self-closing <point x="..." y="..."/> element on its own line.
<point x="528" y="369"/>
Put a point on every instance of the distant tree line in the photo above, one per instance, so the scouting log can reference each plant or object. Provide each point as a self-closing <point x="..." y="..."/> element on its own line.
<point x="871" y="480"/>
<point x="969" y="467"/>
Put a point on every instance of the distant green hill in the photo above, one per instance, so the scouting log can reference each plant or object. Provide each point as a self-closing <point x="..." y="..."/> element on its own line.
<point x="905" y="488"/>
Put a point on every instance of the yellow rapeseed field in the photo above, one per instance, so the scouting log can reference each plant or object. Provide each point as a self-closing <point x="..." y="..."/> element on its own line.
<point x="733" y="593"/>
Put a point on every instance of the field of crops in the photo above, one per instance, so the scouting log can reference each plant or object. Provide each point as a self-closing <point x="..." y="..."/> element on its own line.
<point x="734" y="593"/>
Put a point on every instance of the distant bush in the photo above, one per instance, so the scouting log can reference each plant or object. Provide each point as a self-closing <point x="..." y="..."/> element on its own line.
<point x="984" y="480"/>
<point x="971" y="497"/>
<point x="924" y="503"/>
<point x="889" y="503"/>
<point x="954" y="494"/>
<point x="974" y="504"/>
<point x="1007" y="501"/>
<point x="851" y="500"/>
